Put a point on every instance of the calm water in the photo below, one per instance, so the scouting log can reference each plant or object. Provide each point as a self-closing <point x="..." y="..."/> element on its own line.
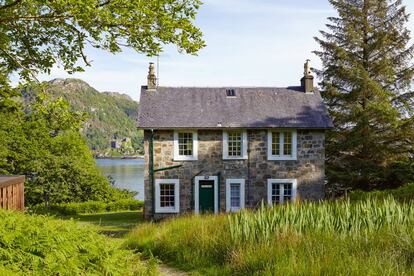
<point x="127" y="173"/>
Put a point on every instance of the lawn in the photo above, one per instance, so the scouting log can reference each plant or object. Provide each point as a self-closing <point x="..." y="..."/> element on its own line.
<point x="113" y="224"/>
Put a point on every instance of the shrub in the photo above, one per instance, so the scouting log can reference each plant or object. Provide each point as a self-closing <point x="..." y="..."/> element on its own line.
<point x="88" y="207"/>
<point x="39" y="245"/>
<point x="125" y="204"/>
<point x="404" y="193"/>
<point x="330" y="238"/>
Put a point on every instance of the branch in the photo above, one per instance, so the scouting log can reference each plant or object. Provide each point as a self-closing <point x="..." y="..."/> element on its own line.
<point x="21" y="65"/>
<point x="10" y="5"/>
<point x="47" y="16"/>
<point x="103" y="3"/>
<point x="80" y="45"/>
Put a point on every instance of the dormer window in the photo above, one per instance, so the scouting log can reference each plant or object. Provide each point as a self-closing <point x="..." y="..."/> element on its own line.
<point x="230" y="93"/>
<point x="185" y="145"/>
<point x="281" y="145"/>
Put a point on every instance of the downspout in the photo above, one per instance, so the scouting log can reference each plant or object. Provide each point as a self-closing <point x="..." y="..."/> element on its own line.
<point x="219" y="186"/>
<point x="151" y="170"/>
<point x="248" y="170"/>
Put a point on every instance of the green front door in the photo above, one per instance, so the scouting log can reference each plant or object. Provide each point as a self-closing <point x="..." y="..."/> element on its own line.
<point x="206" y="194"/>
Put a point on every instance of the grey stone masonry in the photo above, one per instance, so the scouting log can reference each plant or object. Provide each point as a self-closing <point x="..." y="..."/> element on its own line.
<point x="308" y="169"/>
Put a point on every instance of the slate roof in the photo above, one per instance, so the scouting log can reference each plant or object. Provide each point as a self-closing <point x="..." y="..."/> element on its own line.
<point x="258" y="107"/>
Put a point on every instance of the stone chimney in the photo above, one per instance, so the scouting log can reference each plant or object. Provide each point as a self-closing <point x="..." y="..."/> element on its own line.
<point x="152" y="78"/>
<point x="307" y="80"/>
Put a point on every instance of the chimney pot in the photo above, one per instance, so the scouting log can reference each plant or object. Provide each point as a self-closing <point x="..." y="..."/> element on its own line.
<point x="307" y="80"/>
<point x="152" y="78"/>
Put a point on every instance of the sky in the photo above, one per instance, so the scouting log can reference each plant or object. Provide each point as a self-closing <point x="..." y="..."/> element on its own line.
<point x="249" y="43"/>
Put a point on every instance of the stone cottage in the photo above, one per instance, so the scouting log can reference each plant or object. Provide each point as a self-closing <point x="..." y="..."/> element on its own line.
<point x="226" y="148"/>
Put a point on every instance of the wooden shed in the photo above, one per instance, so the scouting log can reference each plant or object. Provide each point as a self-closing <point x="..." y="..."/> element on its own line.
<point x="12" y="192"/>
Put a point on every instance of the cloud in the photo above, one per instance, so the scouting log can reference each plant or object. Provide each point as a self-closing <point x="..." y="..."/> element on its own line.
<point x="265" y="7"/>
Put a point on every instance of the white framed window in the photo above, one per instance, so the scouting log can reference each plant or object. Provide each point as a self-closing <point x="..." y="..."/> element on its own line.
<point x="281" y="145"/>
<point x="234" y="194"/>
<point x="167" y="195"/>
<point x="185" y="145"/>
<point x="235" y="144"/>
<point x="281" y="190"/>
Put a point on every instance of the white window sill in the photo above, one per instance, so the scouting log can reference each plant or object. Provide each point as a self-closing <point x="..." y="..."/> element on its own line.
<point x="166" y="210"/>
<point x="281" y="158"/>
<point x="185" y="158"/>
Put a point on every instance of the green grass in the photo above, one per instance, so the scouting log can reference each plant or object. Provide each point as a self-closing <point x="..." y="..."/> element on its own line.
<point x="41" y="245"/>
<point x="371" y="237"/>
<point x="113" y="224"/>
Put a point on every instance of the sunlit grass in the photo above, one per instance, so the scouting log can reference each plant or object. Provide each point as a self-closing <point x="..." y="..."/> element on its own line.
<point x="114" y="224"/>
<point x="367" y="237"/>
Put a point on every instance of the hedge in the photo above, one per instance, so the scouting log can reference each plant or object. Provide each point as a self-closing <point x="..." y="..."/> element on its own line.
<point x="89" y="207"/>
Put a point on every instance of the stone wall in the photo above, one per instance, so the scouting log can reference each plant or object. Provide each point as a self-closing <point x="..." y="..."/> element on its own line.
<point x="308" y="169"/>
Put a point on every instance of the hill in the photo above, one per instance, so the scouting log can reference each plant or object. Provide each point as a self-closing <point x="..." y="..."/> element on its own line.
<point x="112" y="116"/>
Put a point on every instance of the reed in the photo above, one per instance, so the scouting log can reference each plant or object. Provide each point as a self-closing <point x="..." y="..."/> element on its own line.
<point x="370" y="237"/>
<point x="342" y="218"/>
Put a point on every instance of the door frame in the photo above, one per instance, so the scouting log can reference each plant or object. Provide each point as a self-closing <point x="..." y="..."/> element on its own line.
<point x="197" y="192"/>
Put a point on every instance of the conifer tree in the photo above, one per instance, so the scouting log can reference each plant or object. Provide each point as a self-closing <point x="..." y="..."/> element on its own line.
<point x="366" y="83"/>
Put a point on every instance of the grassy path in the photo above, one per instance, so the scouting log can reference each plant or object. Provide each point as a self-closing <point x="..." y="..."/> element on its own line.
<point x="112" y="224"/>
<point x="116" y="225"/>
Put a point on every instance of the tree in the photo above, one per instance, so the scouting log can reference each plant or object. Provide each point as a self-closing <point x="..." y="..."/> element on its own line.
<point x="43" y="141"/>
<point x="366" y="80"/>
<point x="35" y="34"/>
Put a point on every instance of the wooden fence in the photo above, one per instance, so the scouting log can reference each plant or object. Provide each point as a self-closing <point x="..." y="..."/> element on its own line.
<point x="12" y="192"/>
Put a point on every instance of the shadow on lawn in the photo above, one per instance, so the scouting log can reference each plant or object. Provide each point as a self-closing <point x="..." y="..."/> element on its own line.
<point x="114" y="224"/>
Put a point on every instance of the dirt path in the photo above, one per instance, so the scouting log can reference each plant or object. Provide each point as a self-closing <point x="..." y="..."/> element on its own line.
<point x="169" y="271"/>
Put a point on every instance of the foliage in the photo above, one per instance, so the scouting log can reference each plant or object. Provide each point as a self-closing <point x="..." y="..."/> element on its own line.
<point x="403" y="194"/>
<point x="366" y="237"/>
<point x="44" y="144"/>
<point x="35" y="35"/>
<point x="38" y="245"/>
<point x="88" y="207"/>
<point x="366" y="84"/>
<point x="42" y="140"/>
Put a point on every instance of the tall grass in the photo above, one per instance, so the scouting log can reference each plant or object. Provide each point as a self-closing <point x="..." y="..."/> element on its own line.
<point x="367" y="237"/>
<point x="342" y="219"/>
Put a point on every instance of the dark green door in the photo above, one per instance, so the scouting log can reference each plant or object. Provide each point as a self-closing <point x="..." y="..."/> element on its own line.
<point x="206" y="200"/>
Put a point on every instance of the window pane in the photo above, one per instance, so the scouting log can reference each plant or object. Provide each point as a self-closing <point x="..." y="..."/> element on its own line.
<point x="185" y="143"/>
<point x="167" y="195"/>
<point x="287" y="143"/>
<point x="235" y="143"/>
<point x="275" y="193"/>
<point x="235" y="195"/>
<point x="287" y="192"/>
<point x="275" y="143"/>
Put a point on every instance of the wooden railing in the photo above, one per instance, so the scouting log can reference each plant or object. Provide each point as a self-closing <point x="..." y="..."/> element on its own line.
<point x="12" y="192"/>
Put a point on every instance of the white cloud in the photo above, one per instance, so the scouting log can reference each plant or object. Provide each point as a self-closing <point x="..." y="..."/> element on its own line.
<point x="263" y="7"/>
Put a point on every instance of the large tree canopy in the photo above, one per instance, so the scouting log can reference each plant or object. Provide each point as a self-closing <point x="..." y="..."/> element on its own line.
<point x="41" y="138"/>
<point x="366" y="83"/>
<point x="36" y="34"/>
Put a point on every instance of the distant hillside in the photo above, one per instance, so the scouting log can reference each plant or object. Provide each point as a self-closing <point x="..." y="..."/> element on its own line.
<point x="112" y="115"/>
